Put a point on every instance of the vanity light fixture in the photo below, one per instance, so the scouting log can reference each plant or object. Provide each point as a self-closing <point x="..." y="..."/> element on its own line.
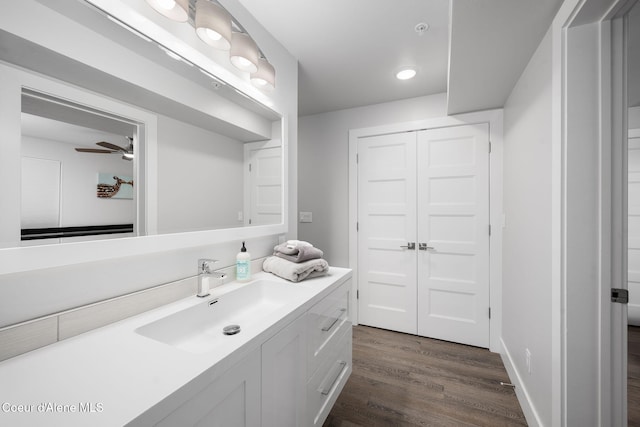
<point x="244" y="52"/>
<point x="216" y="27"/>
<point x="177" y="10"/>
<point x="213" y="25"/>
<point x="265" y="76"/>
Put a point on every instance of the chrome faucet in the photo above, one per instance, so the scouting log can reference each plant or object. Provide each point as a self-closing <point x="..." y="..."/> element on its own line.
<point x="205" y="272"/>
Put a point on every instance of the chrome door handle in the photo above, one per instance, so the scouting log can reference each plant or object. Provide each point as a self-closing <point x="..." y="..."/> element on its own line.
<point x="424" y="247"/>
<point x="410" y="245"/>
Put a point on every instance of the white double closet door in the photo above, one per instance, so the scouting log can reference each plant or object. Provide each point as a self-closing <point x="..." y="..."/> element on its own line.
<point x="423" y="233"/>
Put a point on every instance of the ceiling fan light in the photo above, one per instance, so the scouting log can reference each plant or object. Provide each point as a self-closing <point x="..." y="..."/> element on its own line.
<point x="177" y="10"/>
<point x="244" y="52"/>
<point x="213" y="24"/>
<point x="265" y="76"/>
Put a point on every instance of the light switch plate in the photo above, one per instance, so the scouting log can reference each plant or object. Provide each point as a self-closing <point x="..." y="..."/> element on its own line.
<point x="306" y="217"/>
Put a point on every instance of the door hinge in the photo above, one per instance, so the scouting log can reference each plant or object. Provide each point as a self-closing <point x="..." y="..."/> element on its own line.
<point x="357" y="226"/>
<point x="620" y="296"/>
<point x="249" y="221"/>
<point x="489" y="229"/>
<point x="357" y="158"/>
<point x="357" y="294"/>
<point x="249" y="167"/>
<point x="489" y="147"/>
<point x="489" y="312"/>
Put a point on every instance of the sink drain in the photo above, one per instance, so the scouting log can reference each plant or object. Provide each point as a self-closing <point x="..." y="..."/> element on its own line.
<point x="231" y="329"/>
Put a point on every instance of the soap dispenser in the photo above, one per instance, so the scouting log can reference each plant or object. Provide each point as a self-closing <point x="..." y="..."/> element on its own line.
<point x="243" y="264"/>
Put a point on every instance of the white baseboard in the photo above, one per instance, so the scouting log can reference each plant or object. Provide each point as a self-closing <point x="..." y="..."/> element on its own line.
<point x="530" y="413"/>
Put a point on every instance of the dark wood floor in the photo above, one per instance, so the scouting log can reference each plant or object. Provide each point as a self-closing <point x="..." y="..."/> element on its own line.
<point x="633" y="375"/>
<point x="405" y="380"/>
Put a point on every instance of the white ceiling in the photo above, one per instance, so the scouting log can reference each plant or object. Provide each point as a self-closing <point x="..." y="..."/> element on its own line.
<point x="77" y="136"/>
<point x="349" y="51"/>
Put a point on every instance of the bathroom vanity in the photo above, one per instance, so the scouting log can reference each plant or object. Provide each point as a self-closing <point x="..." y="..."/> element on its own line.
<point x="175" y="366"/>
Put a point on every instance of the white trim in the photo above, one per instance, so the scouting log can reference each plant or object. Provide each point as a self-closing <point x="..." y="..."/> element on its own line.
<point x="495" y="120"/>
<point x="526" y="404"/>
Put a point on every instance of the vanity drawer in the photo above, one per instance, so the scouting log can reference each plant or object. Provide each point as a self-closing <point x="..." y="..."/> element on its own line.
<point x="326" y="321"/>
<point x="325" y="386"/>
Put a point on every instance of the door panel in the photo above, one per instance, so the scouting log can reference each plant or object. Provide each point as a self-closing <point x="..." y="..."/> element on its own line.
<point x="264" y="179"/>
<point x="453" y="221"/>
<point x="387" y="221"/>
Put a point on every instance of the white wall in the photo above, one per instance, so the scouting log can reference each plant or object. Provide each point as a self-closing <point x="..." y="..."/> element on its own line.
<point x="201" y="185"/>
<point x="323" y="159"/>
<point x="526" y="304"/>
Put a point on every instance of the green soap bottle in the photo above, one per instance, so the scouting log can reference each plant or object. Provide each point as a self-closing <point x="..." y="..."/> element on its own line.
<point x="243" y="265"/>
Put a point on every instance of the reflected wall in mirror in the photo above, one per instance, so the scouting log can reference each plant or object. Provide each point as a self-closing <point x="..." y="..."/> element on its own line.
<point x="209" y="181"/>
<point x="64" y="149"/>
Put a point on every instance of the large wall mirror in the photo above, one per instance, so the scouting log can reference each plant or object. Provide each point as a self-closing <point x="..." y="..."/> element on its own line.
<point x="192" y="158"/>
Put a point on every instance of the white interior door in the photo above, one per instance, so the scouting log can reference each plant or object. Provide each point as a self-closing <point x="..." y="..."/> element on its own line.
<point x="386" y="222"/>
<point x="453" y="228"/>
<point x="263" y="203"/>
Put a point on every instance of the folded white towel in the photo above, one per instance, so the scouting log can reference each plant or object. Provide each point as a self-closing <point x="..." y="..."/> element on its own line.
<point x="297" y="254"/>
<point x="295" y="272"/>
<point x="292" y="244"/>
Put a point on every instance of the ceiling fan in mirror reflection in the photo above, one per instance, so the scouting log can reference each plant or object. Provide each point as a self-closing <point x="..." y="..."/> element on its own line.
<point x="109" y="148"/>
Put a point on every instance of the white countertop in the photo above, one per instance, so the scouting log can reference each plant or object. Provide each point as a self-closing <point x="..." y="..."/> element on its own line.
<point x="111" y="375"/>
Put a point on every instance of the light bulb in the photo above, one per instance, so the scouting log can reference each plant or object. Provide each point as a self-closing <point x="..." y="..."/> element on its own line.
<point x="166" y="4"/>
<point x="213" y="35"/>
<point x="242" y="61"/>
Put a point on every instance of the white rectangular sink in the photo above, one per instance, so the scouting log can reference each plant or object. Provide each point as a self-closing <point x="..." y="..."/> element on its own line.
<point x="199" y="329"/>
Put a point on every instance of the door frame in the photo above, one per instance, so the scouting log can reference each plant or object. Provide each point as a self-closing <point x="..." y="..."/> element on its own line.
<point x="495" y="120"/>
<point x="605" y="90"/>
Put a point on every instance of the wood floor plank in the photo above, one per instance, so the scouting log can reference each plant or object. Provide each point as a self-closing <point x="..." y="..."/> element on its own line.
<point x="405" y="380"/>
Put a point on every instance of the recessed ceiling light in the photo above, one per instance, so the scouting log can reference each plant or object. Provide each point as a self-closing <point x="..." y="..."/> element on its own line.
<point x="406" y="74"/>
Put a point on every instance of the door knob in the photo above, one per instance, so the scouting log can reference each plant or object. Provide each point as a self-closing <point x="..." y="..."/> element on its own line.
<point x="410" y="245"/>
<point x="424" y="247"/>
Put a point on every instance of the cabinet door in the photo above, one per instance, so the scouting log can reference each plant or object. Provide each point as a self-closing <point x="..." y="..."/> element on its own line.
<point x="284" y="377"/>
<point x="232" y="400"/>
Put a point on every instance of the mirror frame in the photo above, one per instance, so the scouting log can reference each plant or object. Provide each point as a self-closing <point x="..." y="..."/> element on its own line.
<point x="21" y="259"/>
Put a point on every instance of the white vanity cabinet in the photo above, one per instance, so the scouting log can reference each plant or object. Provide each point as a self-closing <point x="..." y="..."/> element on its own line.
<point x="284" y="377"/>
<point x="305" y="366"/>
<point x="292" y="378"/>
<point x="329" y="358"/>
<point x="232" y="399"/>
